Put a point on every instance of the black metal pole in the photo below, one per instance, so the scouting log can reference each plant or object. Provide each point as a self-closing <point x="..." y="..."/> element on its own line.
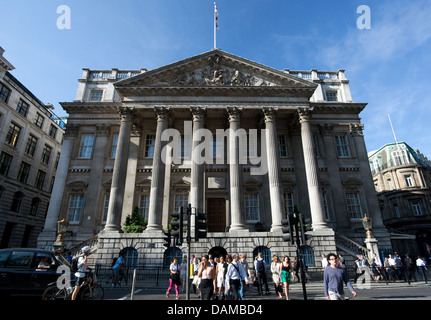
<point x="189" y="214"/>
<point x="299" y="255"/>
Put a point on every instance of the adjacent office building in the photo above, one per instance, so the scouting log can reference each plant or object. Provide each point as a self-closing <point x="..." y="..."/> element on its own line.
<point x="30" y="145"/>
<point x="402" y="178"/>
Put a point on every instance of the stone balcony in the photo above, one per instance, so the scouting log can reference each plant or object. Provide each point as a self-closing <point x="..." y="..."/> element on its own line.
<point x="315" y="75"/>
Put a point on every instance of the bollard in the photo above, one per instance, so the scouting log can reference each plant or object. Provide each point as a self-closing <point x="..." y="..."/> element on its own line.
<point x="132" y="295"/>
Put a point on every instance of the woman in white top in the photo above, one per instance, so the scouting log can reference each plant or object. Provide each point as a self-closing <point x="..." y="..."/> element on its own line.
<point x="221" y="272"/>
<point x="276" y="271"/>
<point x="174" y="278"/>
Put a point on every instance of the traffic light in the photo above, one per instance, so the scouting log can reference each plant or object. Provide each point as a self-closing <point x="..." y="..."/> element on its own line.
<point x="167" y="239"/>
<point x="200" y="226"/>
<point x="178" y="226"/>
<point x="287" y="231"/>
<point x="305" y="228"/>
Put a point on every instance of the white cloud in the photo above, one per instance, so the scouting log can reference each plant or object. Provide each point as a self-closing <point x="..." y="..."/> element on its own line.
<point x="396" y="29"/>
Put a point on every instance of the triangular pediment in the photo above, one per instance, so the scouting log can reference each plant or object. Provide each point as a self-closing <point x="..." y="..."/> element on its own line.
<point x="215" y="68"/>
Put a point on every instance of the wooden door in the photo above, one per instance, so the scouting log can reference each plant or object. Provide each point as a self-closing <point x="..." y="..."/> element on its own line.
<point x="216" y="214"/>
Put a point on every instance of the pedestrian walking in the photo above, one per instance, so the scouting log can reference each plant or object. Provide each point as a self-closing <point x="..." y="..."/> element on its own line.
<point x="221" y="269"/>
<point x="208" y="279"/>
<point x="399" y="267"/>
<point x="409" y="268"/>
<point x="391" y="260"/>
<point x="334" y="279"/>
<point x="183" y="274"/>
<point x="276" y="275"/>
<point x="342" y="261"/>
<point x="287" y="275"/>
<point x="228" y="291"/>
<point x="235" y="273"/>
<point x="422" y="267"/>
<point x="260" y="267"/>
<point x="388" y="270"/>
<point x="379" y="264"/>
<point x="244" y="263"/>
<point x="375" y="270"/>
<point x="296" y="266"/>
<point x="174" y="278"/>
<point x="357" y="268"/>
<point x="196" y="280"/>
<point x="324" y="261"/>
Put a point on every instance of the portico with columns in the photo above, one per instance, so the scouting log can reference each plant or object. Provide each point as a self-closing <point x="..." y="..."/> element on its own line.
<point x="301" y="150"/>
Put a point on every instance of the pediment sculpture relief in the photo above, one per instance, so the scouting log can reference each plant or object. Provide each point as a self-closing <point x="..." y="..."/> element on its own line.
<point x="214" y="74"/>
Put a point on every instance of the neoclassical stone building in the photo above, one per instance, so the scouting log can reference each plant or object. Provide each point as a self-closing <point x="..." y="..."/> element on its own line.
<point x="247" y="143"/>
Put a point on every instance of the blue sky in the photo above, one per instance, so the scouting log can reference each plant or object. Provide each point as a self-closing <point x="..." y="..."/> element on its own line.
<point x="388" y="65"/>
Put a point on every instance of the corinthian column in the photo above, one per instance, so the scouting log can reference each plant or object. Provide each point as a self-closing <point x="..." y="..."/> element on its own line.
<point x="274" y="173"/>
<point x="196" y="188"/>
<point x="312" y="172"/>
<point x="113" y="220"/>
<point x="235" y="172"/>
<point x="157" y="182"/>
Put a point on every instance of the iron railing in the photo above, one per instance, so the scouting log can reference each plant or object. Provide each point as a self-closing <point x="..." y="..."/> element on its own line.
<point x="145" y="276"/>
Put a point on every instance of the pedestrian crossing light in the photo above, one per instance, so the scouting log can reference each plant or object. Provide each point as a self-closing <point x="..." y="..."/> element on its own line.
<point x="200" y="226"/>
<point x="167" y="239"/>
<point x="177" y="225"/>
<point x="287" y="231"/>
<point x="305" y="228"/>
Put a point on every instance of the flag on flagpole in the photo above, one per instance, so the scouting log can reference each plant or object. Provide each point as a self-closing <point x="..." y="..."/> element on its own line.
<point x="216" y="15"/>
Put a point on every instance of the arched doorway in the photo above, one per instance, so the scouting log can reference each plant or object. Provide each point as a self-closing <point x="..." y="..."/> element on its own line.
<point x="217" y="252"/>
<point x="131" y="256"/>
<point x="266" y="254"/>
<point x="170" y="253"/>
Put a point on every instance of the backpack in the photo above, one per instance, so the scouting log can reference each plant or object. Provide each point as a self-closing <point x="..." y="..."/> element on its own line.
<point x="74" y="264"/>
<point x="260" y="267"/>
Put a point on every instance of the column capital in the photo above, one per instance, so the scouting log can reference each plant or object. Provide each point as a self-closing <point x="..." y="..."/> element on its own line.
<point x="198" y="113"/>
<point x="126" y="113"/>
<point x="234" y="113"/>
<point x="270" y="113"/>
<point x="162" y="113"/>
<point x="356" y="129"/>
<point x="304" y="114"/>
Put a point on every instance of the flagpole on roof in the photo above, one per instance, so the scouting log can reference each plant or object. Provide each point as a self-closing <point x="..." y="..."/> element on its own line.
<point x="393" y="131"/>
<point x="215" y="25"/>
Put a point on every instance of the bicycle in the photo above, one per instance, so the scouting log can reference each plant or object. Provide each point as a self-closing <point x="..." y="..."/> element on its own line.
<point x="89" y="291"/>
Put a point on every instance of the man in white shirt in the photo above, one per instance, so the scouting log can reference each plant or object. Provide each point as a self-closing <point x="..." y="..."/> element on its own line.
<point x="324" y="261"/>
<point x="377" y="260"/>
<point x="235" y="273"/>
<point x="422" y="269"/>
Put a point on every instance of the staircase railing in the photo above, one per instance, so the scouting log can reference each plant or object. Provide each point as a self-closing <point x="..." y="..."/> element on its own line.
<point x="351" y="246"/>
<point x="92" y="242"/>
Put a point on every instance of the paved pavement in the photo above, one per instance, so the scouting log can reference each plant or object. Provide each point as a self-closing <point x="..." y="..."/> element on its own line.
<point x="368" y="291"/>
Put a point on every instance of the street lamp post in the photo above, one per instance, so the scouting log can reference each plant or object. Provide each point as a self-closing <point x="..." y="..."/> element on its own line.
<point x="61" y="230"/>
<point x="370" y="241"/>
